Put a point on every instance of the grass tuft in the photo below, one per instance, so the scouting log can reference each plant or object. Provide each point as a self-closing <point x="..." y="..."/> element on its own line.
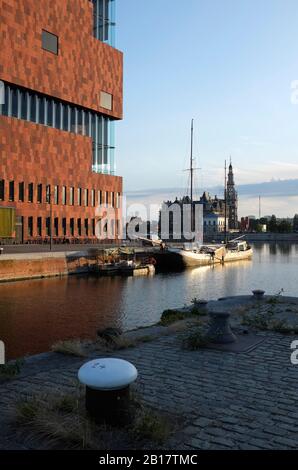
<point x="11" y="369"/>
<point x="70" y="348"/>
<point x="195" y="340"/>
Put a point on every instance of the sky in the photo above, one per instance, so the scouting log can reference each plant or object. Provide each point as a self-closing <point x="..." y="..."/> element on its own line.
<point x="229" y="64"/>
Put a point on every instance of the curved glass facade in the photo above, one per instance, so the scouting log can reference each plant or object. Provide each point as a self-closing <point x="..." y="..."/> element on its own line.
<point x="41" y="109"/>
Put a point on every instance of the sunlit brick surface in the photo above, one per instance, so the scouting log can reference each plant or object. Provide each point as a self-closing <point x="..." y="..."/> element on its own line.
<point x="84" y="66"/>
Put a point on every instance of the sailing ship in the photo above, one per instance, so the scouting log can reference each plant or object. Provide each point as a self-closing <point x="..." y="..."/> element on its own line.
<point x="195" y="254"/>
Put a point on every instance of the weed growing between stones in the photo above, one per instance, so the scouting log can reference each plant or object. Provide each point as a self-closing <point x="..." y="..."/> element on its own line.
<point x="61" y="422"/>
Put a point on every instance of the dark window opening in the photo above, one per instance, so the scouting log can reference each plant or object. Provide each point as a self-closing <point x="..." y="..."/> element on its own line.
<point x="48" y="226"/>
<point x="64" y="226"/>
<point x="21" y="192"/>
<point x="72" y="227"/>
<point x="48" y="194"/>
<point x="30" y="226"/>
<point x="56" y="226"/>
<point x="2" y="190"/>
<point x="79" y="227"/>
<point x="86" y="227"/>
<point x="11" y="190"/>
<point x="50" y="42"/>
<point x="39" y="193"/>
<point x="39" y="226"/>
<point x="30" y="192"/>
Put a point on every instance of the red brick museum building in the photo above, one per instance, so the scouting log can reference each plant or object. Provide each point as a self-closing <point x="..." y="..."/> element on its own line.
<point x="62" y="91"/>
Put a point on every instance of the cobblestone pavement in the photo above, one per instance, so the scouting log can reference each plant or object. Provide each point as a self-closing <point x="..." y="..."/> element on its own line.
<point x="227" y="400"/>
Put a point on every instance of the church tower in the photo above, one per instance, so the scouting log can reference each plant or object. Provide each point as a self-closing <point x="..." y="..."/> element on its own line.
<point x="232" y="200"/>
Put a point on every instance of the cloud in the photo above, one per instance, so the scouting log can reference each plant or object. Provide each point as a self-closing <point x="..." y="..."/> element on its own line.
<point x="278" y="197"/>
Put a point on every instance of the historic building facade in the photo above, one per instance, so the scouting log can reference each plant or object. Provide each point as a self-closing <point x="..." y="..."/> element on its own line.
<point x="62" y="86"/>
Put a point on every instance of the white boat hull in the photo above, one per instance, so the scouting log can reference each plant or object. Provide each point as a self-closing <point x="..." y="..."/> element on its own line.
<point x="192" y="259"/>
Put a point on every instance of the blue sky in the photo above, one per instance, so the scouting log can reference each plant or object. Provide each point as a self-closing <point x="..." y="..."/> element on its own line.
<point x="229" y="65"/>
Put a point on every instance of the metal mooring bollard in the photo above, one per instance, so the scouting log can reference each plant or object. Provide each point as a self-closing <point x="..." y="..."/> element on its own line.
<point x="220" y="330"/>
<point x="258" y="294"/>
<point x="108" y="389"/>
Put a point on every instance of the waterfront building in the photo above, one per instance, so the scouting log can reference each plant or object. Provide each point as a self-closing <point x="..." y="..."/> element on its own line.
<point x="213" y="224"/>
<point x="62" y="81"/>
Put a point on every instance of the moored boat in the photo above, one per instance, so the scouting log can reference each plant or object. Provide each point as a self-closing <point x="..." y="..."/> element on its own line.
<point x="204" y="255"/>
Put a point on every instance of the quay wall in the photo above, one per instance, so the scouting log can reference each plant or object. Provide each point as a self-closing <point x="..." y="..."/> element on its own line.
<point x="41" y="265"/>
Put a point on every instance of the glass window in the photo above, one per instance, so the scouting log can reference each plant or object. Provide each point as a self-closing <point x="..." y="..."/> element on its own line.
<point x="71" y="226"/>
<point x="71" y="196"/>
<point x="64" y="226"/>
<point x="50" y="112"/>
<point x="86" y="197"/>
<point x="30" y="192"/>
<point x="79" y="227"/>
<point x="106" y="140"/>
<point x="56" y="195"/>
<point x="2" y="190"/>
<point x="11" y="190"/>
<point x="48" y="226"/>
<point x="80" y="121"/>
<point x="39" y="226"/>
<point x="56" y="226"/>
<point x="106" y="100"/>
<point x="49" y="42"/>
<point x="87" y="124"/>
<point x="48" y="194"/>
<point x="24" y="105"/>
<point x="21" y="191"/>
<point x="64" y="195"/>
<point x="73" y="127"/>
<point x="64" y="109"/>
<point x="6" y="101"/>
<point x="39" y="193"/>
<point x="33" y="107"/>
<point x="93" y="197"/>
<point x="86" y="227"/>
<point x="30" y="226"/>
<point x="14" y="102"/>
<point x="41" y="118"/>
<point x="79" y="196"/>
<point x="58" y="111"/>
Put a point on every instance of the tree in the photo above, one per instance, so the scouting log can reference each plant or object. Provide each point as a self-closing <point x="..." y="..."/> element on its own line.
<point x="272" y="224"/>
<point x="295" y="223"/>
<point x="284" y="226"/>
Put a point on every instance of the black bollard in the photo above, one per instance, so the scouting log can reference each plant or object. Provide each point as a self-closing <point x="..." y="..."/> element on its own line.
<point x="220" y="330"/>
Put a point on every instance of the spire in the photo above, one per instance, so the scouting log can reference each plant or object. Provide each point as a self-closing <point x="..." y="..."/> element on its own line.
<point x="231" y="174"/>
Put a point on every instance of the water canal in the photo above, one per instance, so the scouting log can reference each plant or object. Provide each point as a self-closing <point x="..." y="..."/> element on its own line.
<point x="35" y="314"/>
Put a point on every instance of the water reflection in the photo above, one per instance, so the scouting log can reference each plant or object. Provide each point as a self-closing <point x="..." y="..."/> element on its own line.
<point x="36" y="314"/>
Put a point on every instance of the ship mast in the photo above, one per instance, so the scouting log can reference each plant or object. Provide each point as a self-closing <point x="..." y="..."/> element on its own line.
<point x="191" y="166"/>
<point x="225" y="201"/>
